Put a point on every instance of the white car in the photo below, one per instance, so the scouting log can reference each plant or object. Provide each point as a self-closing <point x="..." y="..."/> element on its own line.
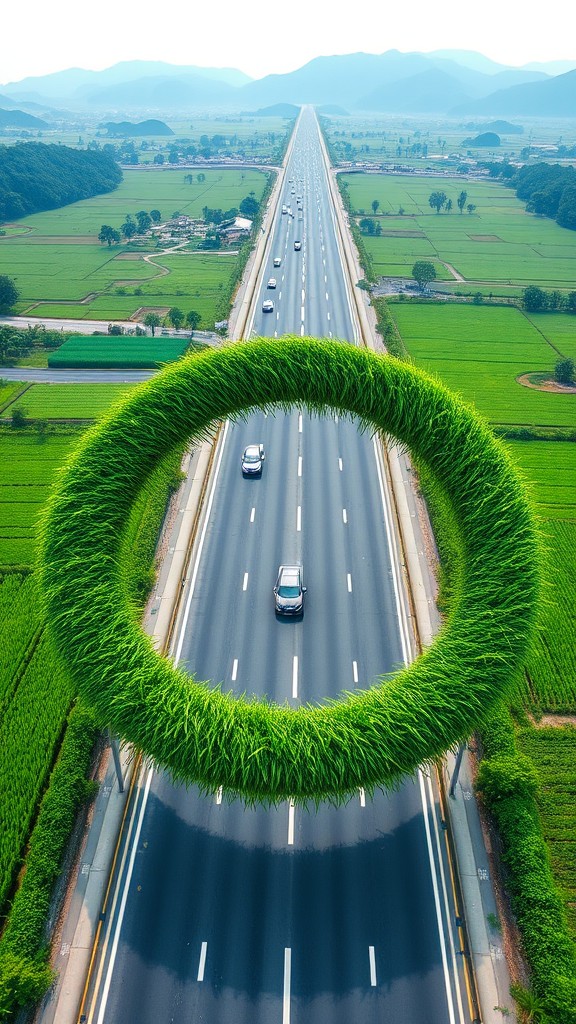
<point x="271" y="283"/>
<point x="267" y="306"/>
<point x="252" y="459"/>
<point x="297" y="246"/>
<point x="277" y="261"/>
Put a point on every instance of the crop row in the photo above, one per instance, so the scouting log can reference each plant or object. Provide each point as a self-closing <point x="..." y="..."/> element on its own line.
<point x="120" y="352"/>
<point x="66" y="401"/>
<point x="20" y="621"/>
<point x="31" y="725"/>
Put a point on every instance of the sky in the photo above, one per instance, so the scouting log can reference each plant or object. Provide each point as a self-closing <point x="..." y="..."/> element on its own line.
<point x="263" y="37"/>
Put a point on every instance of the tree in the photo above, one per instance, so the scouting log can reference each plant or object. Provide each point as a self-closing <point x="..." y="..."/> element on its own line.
<point x="471" y="207"/>
<point x="189" y="178"/>
<point x="159" y="158"/>
<point x="193" y="319"/>
<point x="565" y="371"/>
<point x="108" y="234"/>
<point x="201" y="177"/>
<point x="129" y="228"/>
<point x="448" y="205"/>
<point x="144" y="221"/>
<point x="375" y="206"/>
<point x="249" y="207"/>
<point x="8" y="341"/>
<point x="437" y="200"/>
<point x="571" y="302"/>
<point x="461" y="201"/>
<point x="367" y="225"/>
<point x="423" y="272"/>
<point x="155" y="216"/>
<point x="9" y="293"/>
<point x="18" y="417"/>
<point x="534" y="299"/>
<point x="152" y="320"/>
<point x="176" y="317"/>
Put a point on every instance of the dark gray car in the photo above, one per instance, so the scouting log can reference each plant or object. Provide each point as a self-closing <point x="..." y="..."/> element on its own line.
<point x="252" y="458"/>
<point x="289" y="590"/>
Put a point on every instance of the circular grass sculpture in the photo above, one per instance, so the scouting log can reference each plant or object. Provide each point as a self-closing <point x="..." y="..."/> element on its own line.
<point x="253" y="748"/>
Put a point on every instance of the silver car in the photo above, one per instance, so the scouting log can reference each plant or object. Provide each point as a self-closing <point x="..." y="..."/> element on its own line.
<point x="289" y="590"/>
<point x="252" y="458"/>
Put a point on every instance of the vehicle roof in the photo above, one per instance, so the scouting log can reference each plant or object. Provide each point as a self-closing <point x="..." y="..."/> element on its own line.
<point x="250" y="448"/>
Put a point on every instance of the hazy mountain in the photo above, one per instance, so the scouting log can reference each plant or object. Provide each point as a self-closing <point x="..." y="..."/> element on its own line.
<point x="74" y="83"/>
<point x="278" y="110"/>
<point x="127" y="129"/>
<point x="554" y="97"/>
<point x="551" y="67"/>
<point x="162" y="94"/>
<point x="471" y="59"/>
<point x="432" y="91"/>
<point x="19" y="119"/>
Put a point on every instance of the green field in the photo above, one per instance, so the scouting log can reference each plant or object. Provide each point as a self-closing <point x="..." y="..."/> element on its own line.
<point x="498" y="244"/>
<point x="479" y="352"/>
<point x="62" y="270"/>
<point x="68" y="401"/>
<point x="110" y="351"/>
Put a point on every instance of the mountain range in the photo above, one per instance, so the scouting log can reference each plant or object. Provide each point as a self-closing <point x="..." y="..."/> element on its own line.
<point x="449" y="82"/>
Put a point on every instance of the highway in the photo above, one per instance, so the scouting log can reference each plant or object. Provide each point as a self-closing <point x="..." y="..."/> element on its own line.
<point x="228" y="915"/>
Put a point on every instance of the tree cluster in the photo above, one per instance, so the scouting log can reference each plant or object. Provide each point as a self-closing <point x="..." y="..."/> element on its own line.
<point x="144" y="221"/>
<point x="35" y="176"/>
<point x="537" y="300"/>
<point x="549" y="190"/>
<point x="440" y="201"/>
<point x="16" y="343"/>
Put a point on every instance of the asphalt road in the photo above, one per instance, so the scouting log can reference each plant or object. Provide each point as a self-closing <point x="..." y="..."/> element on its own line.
<point x="332" y="915"/>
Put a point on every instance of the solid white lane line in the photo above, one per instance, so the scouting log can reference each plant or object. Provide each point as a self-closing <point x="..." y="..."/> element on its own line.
<point x="355" y="671"/>
<point x="299" y="465"/>
<point x="252" y="515"/>
<point x="122" y="909"/>
<point x="446" y="901"/>
<point x="234" y="669"/>
<point x="340" y="464"/>
<point x="362" y="797"/>
<point x="186" y="615"/>
<point x="286" y="996"/>
<point x="344" y="515"/>
<point x="349" y="581"/>
<point x="447" y="985"/>
<point x="372" y="959"/>
<point x="300" y="423"/>
<point x="202" y="963"/>
<point x="295" y="676"/>
<point x="219" y="796"/>
<point x="291" y="823"/>
<point x="245" y="583"/>
<point x="299" y="519"/>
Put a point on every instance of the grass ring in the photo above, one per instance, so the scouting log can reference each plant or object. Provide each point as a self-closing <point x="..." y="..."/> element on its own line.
<point x="254" y="748"/>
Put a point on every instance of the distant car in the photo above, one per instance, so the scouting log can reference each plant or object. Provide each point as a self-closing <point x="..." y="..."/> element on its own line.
<point x="297" y="246"/>
<point x="267" y="306"/>
<point x="289" y="590"/>
<point x="284" y="208"/>
<point x="277" y="261"/>
<point x="252" y="458"/>
<point x="271" y="282"/>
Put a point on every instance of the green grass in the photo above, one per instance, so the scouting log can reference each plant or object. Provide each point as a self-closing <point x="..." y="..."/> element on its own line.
<point x="559" y="330"/>
<point x="498" y="244"/>
<point x="479" y="352"/>
<point x="251" y="748"/>
<point x="118" y="352"/>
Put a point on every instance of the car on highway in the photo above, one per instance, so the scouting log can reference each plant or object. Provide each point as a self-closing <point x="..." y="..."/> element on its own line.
<point x="252" y="458"/>
<point x="277" y="261"/>
<point x="284" y="208"/>
<point x="267" y="306"/>
<point x="289" y="590"/>
<point x="271" y="282"/>
<point x="297" y="246"/>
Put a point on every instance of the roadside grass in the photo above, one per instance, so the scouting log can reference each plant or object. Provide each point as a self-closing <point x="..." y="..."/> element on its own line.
<point x="498" y="243"/>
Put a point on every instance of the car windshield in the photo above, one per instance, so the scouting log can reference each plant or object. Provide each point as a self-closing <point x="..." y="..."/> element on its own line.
<point x="251" y="455"/>
<point x="288" y="591"/>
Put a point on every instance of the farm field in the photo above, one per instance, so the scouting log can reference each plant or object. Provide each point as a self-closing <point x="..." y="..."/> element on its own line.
<point x="559" y="331"/>
<point x="553" y="753"/>
<point x="68" y="401"/>
<point x="113" y="351"/>
<point x="497" y="244"/>
<point x="479" y="352"/>
<point x="62" y="270"/>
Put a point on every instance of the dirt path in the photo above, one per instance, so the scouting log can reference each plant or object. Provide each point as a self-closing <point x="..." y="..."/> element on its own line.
<point x="452" y="270"/>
